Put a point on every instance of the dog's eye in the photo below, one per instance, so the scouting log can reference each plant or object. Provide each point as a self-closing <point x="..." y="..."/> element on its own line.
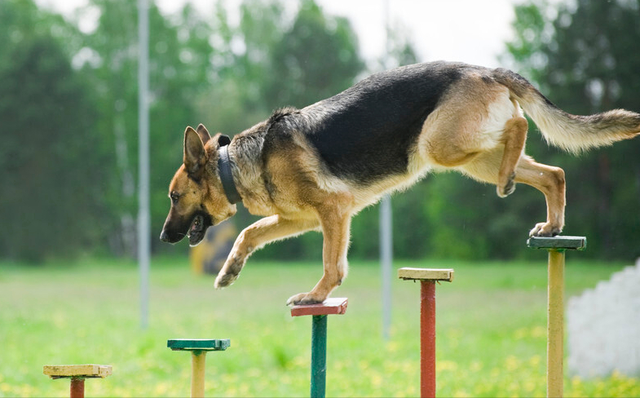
<point x="174" y="197"/>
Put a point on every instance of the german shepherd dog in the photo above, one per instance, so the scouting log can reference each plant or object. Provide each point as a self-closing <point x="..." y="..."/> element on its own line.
<point x="314" y="168"/>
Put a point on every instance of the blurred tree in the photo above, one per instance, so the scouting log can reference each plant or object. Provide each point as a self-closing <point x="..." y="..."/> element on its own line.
<point x="235" y="100"/>
<point x="22" y="21"/>
<point x="533" y="30"/>
<point x="315" y="59"/>
<point x="52" y="167"/>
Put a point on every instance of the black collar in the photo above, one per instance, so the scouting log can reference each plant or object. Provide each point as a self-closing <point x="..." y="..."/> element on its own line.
<point x="226" y="176"/>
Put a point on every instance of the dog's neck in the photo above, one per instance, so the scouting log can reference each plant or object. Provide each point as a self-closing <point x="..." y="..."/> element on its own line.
<point x="226" y="175"/>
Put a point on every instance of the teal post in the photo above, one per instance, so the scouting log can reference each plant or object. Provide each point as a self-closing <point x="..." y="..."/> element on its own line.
<point x="319" y="313"/>
<point x="318" y="356"/>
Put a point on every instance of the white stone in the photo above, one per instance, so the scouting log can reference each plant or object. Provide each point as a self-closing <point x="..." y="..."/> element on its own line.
<point x="603" y="326"/>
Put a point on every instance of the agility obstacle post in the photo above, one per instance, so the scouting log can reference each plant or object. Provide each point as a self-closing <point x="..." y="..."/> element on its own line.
<point x="556" y="246"/>
<point x="77" y="374"/>
<point x="319" y="312"/>
<point x="198" y="349"/>
<point x="428" y="279"/>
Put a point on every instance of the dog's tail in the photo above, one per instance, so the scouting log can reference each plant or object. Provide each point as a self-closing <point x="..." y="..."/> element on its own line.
<point x="569" y="132"/>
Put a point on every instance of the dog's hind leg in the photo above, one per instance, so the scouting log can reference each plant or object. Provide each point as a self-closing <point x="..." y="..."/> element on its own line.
<point x="551" y="182"/>
<point x="514" y="137"/>
<point x="547" y="179"/>
<point x="255" y="236"/>
<point x="335" y="218"/>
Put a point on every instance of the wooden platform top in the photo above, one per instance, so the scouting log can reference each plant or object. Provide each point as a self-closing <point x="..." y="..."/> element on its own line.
<point x="198" y="344"/>
<point x="426" y="274"/>
<point x="331" y="306"/>
<point x="77" y="371"/>
<point x="558" y="242"/>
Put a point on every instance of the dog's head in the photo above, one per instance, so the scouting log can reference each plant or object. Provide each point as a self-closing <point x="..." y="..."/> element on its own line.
<point x="197" y="197"/>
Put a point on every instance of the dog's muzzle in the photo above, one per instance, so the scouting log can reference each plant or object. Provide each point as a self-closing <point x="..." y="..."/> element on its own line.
<point x="164" y="236"/>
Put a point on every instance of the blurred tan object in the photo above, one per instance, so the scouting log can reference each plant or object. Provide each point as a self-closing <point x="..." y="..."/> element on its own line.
<point x="209" y="256"/>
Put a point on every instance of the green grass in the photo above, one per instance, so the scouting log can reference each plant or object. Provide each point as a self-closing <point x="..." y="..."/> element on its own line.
<point x="491" y="330"/>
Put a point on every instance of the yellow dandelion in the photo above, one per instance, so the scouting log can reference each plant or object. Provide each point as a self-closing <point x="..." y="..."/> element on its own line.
<point x="161" y="389"/>
<point x="392" y="346"/>
<point x="520" y="334"/>
<point x="538" y="332"/>
<point x="535" y="360"/>
<point x="476" y="366"/>
<point x="446" y="365"/>
<point x="512" y="363"/>
<point x="529" y="385"/>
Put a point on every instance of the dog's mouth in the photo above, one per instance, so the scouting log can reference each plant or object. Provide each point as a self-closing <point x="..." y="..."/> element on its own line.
<point x="198" y="228"/>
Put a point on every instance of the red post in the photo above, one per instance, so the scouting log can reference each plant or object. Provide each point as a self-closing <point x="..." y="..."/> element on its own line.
<point x="77" y="388"/>
<point x="428" y="278"/>
<point x="428" y="339"/>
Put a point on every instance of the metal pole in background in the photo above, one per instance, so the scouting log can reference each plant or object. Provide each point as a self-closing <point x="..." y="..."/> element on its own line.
<point x="144" y="248"/>
<point x="386" y="258"/>
<point x="386" y="235"/>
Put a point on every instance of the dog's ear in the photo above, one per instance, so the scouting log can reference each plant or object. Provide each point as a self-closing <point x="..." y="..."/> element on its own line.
<point x="194" y="155"/>
<point x="223" y="140"/>
<point x="203" y="133"/>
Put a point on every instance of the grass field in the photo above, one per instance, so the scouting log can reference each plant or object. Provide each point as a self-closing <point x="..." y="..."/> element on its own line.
<point x="490" y="342"/>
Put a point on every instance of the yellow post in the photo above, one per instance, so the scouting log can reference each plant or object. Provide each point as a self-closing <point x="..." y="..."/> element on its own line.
<point x="77" y="374"/>
<point x="556" y="246"/>
<point x="198" y="349"/>
<point x="198" y="359"/>
<point x="555" y="324"/>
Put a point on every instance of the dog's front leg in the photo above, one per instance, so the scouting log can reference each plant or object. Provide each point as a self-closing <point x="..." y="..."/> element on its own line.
<point x="255" y="236"/>
<point x="335" y="222"/>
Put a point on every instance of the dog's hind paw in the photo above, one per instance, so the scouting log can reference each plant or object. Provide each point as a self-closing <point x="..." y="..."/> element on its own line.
<point x="304" y="299"/>
<point x="545" y="229"/>
<point x="508" y="187"/>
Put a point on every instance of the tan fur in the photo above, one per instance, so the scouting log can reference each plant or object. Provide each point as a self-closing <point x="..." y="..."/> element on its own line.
<point x="477" y="128"/>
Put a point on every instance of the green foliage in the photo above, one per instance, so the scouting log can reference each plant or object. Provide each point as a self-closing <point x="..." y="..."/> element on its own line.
<point x="319" y="57"/>
<point x="51" y="158"/>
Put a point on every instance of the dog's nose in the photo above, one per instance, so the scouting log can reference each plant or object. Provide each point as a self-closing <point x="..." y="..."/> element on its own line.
<point x="164" y="236"/>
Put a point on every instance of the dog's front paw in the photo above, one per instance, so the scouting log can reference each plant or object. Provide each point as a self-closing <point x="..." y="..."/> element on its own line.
<point x="223" y="280"/>
<point x="545" y="229"/>
<point x="230" y="271"/>
<point x="305" y="298"/>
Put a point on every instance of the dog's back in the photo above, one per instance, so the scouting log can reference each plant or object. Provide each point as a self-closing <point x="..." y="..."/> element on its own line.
<point x="365" y="133"/>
